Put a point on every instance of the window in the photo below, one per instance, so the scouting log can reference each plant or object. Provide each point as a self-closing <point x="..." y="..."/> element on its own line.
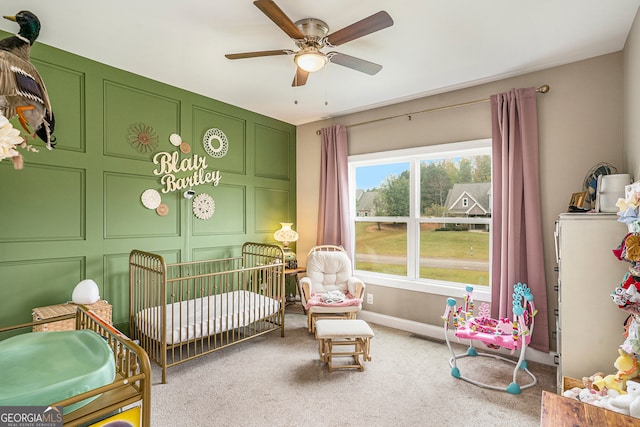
<point x="422" y="217"/>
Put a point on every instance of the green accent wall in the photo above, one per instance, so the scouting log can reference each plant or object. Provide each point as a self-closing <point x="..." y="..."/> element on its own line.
<point x="75" y="212"/>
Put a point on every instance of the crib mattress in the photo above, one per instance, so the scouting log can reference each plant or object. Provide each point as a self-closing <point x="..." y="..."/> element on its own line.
<point x="40" y="368"/>
<point x="201" y="317"/>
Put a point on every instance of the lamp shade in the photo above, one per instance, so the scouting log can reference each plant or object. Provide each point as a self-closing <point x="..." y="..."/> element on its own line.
<point x="285" y="235"/>
<point x="310" y="59"/>
<point x="86" y="292"/>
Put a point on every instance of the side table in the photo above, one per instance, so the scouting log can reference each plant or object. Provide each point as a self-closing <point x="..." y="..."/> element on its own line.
<point x="293" y="272"/>
<point x="102" y="308"/>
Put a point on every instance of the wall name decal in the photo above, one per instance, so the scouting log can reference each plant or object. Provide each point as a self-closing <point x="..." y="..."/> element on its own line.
<point x="170" y="165"/>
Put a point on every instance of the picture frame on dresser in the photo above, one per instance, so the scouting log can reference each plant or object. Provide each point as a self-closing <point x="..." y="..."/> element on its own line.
<point x="576" y="203"/>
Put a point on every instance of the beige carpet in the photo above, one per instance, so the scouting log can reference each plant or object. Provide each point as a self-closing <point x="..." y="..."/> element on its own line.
<point x="274" y="381"/>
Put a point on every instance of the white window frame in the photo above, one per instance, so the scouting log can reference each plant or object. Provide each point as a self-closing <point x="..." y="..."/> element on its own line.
<point x="414" y="156"/>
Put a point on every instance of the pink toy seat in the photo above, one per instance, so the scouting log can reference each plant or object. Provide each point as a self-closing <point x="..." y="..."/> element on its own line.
<point x="489" y="332"/>
<point x="511" y="334"/>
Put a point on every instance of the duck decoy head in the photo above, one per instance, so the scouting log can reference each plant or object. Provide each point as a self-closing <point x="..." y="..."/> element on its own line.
<point x="29" y="24"/>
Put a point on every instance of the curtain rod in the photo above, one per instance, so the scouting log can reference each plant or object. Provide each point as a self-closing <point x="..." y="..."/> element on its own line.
<point x="541" y="89"/>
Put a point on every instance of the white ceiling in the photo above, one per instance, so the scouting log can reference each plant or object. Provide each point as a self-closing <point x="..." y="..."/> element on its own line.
<point x="434" y="45"/>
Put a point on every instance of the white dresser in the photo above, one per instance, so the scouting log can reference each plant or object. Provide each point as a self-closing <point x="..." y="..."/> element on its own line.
<point x="589" y="324"/>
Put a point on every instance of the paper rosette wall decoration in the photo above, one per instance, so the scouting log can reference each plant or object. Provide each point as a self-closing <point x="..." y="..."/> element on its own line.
<point x="175" y="139"/>
<point x="203" y="206"/>
<point x="215" y="143"/>
<point x="150" y="199"/>
<point x="143" y="137"/>
<point x="162" y="209"/>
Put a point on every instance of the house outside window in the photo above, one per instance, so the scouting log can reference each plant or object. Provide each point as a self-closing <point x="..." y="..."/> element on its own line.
<point x="422" y="217"/>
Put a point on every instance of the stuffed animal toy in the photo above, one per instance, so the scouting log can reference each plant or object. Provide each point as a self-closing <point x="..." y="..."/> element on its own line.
<point x="631" y="343"/>
<point x="588" y="381"/>
<point x="504" y="327"/>
<point x="627" y="369"/>
<point x="609" y="383"/>
<point x="633" y="389"/>
<point x="628" y="403"/>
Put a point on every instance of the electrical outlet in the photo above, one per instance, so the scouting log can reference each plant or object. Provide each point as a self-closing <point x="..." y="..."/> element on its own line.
<point x="369" y="298"/>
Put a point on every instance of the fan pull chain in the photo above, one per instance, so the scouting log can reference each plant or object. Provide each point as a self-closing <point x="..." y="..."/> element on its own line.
<point x="295" y="88"/>
<point x="324" y="72"/>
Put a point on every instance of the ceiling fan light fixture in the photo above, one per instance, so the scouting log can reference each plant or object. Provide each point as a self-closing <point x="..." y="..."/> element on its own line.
<point x="311" y="35"/>
<point x="310" y="59"/>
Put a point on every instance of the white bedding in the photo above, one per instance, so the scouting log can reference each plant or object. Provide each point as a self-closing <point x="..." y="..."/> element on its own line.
<point x="205" y="316"/>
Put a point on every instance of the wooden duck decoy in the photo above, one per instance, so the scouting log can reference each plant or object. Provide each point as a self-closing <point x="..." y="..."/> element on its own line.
<point x="22" y="91"/>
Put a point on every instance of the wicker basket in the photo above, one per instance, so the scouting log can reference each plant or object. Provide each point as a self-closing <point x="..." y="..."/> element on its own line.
<point x="101" y="308"/>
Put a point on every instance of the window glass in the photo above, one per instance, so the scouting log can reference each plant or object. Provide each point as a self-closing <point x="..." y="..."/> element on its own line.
<point x="381" y="247"/>
<point x="424" y="215"/>
<point x="455" y="253"/>
<point x="383" y="190"/>
<point x="455" y="187"/>
<point x="449" y="185"/>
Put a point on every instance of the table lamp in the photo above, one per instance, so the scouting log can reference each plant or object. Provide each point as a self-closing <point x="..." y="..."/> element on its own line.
<point x="85" y="292"/>
<point x="286" y="236"/>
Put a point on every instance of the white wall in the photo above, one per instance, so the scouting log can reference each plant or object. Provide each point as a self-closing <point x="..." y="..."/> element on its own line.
<point x="632" y="100"/>
<point x="580" y="124"/>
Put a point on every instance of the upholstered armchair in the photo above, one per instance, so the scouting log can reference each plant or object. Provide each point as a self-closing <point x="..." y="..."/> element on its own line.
<point x="329" y="288"/>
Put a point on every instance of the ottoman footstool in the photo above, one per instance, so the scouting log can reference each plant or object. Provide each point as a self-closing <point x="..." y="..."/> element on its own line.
<point x="332" y="333"/>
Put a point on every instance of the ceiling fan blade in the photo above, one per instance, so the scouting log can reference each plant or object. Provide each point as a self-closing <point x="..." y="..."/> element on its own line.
<point x="273" y="12"/>
<point x="373" y="23"/>
<point x="354" y="63"/>
<point x="300" y="79"/>
<point x="258" y="54"/>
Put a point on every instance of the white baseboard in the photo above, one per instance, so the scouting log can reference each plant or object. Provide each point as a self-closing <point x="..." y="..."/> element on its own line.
<point x="436" y="332"/>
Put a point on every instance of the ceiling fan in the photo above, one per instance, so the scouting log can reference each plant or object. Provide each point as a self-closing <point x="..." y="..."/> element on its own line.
<point x="312" y="35"/>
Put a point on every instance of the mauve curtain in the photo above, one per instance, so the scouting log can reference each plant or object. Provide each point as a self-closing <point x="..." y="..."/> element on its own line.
<point x="517" y="230"/>
<point x="333" y="215"/>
